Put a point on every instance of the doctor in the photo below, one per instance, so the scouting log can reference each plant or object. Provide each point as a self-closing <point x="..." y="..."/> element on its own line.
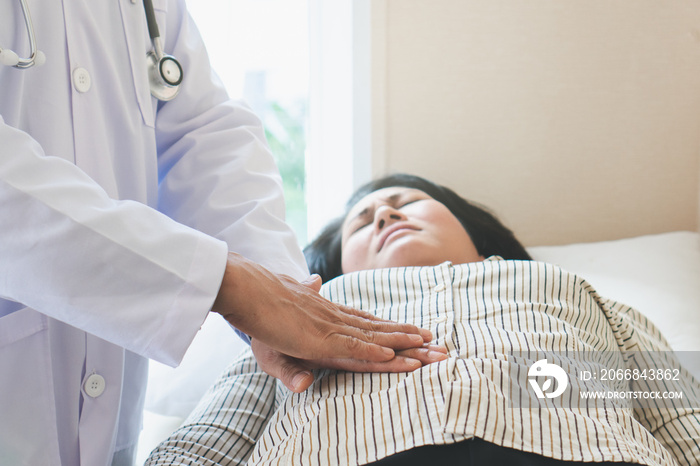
<point x="117" y="214"/>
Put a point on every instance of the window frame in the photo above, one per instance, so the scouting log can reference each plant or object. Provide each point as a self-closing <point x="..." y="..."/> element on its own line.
<point x="341" y="144"/>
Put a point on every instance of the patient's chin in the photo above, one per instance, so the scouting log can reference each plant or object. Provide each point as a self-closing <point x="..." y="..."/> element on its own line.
<point x="406" y="252"/>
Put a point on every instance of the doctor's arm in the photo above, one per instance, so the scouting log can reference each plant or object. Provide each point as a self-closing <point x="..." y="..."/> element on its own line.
<point x="218" y="176"/>
<point x="72" y="253"/>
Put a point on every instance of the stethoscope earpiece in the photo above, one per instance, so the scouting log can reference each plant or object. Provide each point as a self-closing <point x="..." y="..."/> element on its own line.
<point x="40" y="58"/>
<point x="10" y="58"/>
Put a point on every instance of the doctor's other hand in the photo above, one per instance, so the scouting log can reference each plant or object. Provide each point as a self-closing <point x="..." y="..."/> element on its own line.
<point x="296" y="374"/>
<point x="295" y="320"/>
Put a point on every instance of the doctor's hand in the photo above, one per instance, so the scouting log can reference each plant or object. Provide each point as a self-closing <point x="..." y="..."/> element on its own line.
<point x="296" y="373"/>
<point x="297" y="376"/>
<point x="294" y="319"/>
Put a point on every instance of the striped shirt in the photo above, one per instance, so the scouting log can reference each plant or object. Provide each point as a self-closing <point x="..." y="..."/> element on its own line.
<point x="500" y="321"/>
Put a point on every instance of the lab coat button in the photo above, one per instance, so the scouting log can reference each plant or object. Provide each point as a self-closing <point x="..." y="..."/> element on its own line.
<point x="440" y="288"/>
<point x="81" y="80"/>
<point x="94" y="385"/>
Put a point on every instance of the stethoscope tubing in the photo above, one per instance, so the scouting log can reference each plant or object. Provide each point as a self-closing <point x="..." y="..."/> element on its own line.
<point x="153" y="30"/>
<point x="24" y="63"/>
<point x="165" y="71"/>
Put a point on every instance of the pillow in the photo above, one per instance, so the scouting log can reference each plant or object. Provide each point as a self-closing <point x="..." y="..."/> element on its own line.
<point x="659" y="275"/>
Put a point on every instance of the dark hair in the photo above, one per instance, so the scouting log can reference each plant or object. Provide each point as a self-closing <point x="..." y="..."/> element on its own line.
<point x="490" y="236"/>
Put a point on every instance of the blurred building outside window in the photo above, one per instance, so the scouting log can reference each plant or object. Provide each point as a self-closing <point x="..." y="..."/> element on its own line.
<point x="260" y="51"/>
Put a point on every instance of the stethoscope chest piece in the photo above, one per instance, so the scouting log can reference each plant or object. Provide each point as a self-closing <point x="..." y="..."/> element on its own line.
<point x="164" y="71"/>
<point x="164" y="76"/>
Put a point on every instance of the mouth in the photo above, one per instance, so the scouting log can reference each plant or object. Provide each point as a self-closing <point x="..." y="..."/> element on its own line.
<point x="391" y="230"/>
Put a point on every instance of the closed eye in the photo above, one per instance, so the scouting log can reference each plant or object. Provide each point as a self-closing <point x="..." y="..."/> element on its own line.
<point x="360" y="228"/>
<point x="408" y="203"/>
<point x="412" y="201"/>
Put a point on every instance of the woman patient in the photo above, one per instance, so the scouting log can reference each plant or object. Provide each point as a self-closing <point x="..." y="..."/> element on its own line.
<point x="517" y="343"/>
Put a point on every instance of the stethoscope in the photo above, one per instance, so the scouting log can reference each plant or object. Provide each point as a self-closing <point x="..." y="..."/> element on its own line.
<point x="164" y="71"/>
<point x="10" y="58"/>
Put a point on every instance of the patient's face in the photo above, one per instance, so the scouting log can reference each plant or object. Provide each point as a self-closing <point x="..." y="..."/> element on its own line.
<point x="399" y="227"/>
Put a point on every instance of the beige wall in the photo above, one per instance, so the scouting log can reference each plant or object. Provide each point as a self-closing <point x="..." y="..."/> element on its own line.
<point x="574" y="121"/>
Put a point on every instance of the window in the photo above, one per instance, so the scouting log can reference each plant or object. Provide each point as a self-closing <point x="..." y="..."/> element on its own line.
<point x="340" y="145"/>
<point x="303" y="66"/>
<point x="259" y="49"/>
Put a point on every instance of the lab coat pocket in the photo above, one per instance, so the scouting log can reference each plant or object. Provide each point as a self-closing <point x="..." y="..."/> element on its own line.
<point x="27" y="412"/>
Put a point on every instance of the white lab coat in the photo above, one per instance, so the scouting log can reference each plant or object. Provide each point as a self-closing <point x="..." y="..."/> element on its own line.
<point x="116" y="214"/>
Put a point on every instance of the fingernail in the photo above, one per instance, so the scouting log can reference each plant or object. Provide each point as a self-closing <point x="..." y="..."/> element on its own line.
<point x="388" y="351"/>
<point x="414" y="363"/>
<point x="417" y="339"/>
<point x="299" y="380"/>
<point x="438" y="348"/>
<point x="436" y="355"/>
<point x="426" y="334"/>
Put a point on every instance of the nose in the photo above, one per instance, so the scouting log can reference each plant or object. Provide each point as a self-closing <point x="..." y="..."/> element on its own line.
<point x="386" y="215"/>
